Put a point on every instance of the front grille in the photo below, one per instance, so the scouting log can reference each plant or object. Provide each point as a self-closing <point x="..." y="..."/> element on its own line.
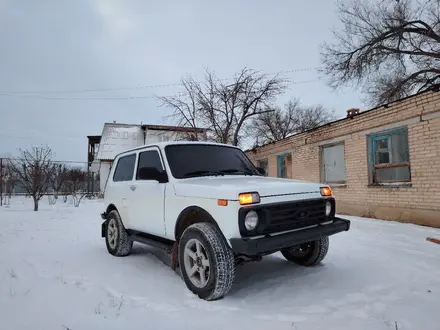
<point x="295" y="215"/>
<point x="286" y="216"/>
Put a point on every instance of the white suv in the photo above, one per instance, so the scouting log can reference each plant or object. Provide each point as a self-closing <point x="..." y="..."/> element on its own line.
<point x="211" y="209"/>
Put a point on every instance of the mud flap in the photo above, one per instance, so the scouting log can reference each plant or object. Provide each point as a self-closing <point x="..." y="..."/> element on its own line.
<point x="175" y="256"/>
<point x="103" y="229"/>
<point x="103" y="217"/>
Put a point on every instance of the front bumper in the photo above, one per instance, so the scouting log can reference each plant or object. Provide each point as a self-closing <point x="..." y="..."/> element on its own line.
<point x="274" y="243"/>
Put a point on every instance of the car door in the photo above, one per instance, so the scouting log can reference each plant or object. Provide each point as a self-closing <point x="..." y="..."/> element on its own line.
<point x="147" y="197"/>
<point x="118" y="186"/>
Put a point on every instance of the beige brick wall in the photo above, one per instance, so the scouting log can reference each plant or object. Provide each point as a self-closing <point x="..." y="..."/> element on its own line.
<point x="305" y="163"/>
<point x="418" y="203"/>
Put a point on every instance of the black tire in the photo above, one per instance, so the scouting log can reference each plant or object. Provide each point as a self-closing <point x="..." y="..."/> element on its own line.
<point x="221" y="270"/>
<point x="313" y="252"/>
<point x="122" y="243"/>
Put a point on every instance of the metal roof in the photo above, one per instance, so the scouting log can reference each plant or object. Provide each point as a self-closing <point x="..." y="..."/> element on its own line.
<point x="176" y="128"/>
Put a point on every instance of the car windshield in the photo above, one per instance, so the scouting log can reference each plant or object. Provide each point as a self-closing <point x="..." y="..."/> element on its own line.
<point x="192" y="160"/>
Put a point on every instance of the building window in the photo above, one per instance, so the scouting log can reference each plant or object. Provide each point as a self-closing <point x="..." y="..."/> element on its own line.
<point x="389" y="157"/>
<point x="284" y="165"/>
<point x="263" y="164"/>
<point x="333" y="163"/>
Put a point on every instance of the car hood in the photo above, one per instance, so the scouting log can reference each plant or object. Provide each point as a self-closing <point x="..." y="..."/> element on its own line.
<point x="229" y="186"/>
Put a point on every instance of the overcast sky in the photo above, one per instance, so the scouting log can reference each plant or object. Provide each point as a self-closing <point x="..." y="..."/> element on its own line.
<point x="68" y="45"/>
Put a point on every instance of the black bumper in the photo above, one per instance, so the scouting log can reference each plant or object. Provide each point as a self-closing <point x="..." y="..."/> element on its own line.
<point x="274" y="243"/>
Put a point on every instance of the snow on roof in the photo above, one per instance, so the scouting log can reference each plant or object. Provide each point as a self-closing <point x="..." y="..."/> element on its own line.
<point x="117" y="138"/>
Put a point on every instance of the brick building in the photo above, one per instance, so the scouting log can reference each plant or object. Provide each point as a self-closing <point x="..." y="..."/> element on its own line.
<point x="382" y="163"/>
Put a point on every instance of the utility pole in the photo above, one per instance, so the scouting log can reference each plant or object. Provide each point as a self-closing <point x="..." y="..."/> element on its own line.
<point x="88" y="178"/>
<point x="88" y="167"/>
<point x="93" y="183"/>
<point x="1" y="181"/>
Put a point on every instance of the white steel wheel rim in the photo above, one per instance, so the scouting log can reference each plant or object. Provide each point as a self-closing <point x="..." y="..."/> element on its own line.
<point x="196" y="262"/>
<point x="112" y="233"/>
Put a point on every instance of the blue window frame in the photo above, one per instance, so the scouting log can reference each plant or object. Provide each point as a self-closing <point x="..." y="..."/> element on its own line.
<point x="283" y="165"/>
<point x="388" y="156"/>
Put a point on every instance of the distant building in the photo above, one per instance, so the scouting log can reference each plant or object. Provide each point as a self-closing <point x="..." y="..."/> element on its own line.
<point x="116" y="138"/>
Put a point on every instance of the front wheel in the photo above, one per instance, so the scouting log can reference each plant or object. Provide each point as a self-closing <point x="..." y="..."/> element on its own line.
<point x="206" y="261"/>
<point x="308" y="254"/>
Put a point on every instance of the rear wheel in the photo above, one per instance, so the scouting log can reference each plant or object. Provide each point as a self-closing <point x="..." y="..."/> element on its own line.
<point x="206" y="261"/>
<point x="308" y="254"/>
<point x="117" y="240"/>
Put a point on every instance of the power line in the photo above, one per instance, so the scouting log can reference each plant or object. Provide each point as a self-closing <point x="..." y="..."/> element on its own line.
<point x="4" y="132"/>
<point x="134" y="87"/>
<point x="70" y="98"/>
<point x="78" y="98"/>
<point x="53" y="161"/>
<point x="33" y="137"/>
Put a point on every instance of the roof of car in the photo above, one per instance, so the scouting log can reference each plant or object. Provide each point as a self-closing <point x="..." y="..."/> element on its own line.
<point x="162" y="145"/>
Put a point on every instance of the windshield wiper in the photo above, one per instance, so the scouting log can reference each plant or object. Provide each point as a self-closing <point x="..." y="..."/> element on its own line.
<point x="234" y="170"/>
<point x="201" y="173"/>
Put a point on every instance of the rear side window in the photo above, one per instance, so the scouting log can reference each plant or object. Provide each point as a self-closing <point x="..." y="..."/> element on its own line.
<point x="125" y="168"/>
<point x="149" y="158"/>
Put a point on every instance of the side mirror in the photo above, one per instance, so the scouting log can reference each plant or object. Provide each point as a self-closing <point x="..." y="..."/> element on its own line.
<point x="261" y="170"/>
<point x="152" y="173"/>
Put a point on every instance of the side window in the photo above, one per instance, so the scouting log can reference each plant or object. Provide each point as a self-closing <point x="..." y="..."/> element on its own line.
<point x="124" y="168"/>
<point x="389" y="157"/>
<point x="149" y="158"/>
<point x="333" y="164"/>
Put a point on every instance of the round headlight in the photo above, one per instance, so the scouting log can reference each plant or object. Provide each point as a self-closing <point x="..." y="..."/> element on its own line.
<point x="251" y="220"/>
<point x="328" y="208"/>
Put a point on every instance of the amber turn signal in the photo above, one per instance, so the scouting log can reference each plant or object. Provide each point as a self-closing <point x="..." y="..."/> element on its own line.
<point x="249" y="198"/>
<point x="222" y="202"/>
<point x="326" y="191"/>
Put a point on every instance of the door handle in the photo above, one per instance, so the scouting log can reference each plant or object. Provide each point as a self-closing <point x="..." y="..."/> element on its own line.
<point x="133" y="187"/>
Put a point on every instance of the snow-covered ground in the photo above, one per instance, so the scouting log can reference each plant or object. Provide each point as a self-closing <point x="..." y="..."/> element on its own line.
<point x="55" y="273"/>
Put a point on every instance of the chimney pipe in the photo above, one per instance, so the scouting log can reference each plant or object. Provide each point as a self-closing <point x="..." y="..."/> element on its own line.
<point x="352" y="112"/>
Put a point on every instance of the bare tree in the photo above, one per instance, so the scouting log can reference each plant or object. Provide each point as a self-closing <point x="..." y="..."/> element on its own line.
<point x="75" y="185"/>
<point x="185" y="108"/>
<point x="57" y="182"/>
<point x="33" y="170"/>
<point x="281" y="123"/>
<point x="225" y="108"/>
<point x="11" y="182"/>
<point x="312" y="117"/>
<point x="7" y="180"/>
<point x="391" y="48"/>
